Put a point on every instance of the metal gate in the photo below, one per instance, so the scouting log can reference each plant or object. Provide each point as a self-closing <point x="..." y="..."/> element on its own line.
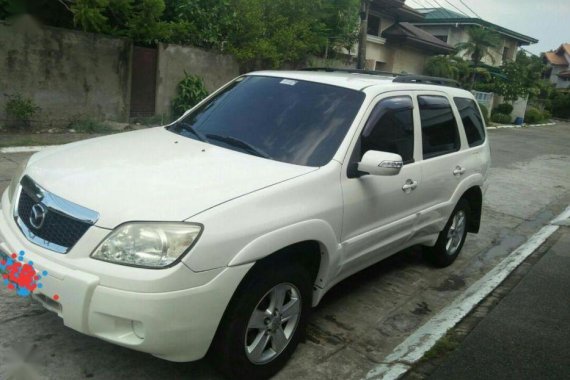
<point x="143" y="81"/>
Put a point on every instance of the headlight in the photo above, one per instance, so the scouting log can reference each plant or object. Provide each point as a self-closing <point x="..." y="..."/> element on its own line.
<point x="16" y="179"/>
<point x="149" y="245"/>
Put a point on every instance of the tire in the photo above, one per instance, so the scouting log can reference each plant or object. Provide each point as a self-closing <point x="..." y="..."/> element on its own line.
<point x="451" y="239"/>
<point x="233" y="350"/>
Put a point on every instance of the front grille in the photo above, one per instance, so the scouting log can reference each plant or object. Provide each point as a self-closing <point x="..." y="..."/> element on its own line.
<point x="57" y="228"/>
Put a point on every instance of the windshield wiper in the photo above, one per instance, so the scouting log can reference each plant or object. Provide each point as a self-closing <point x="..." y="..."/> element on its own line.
<point x="239" y="144"/>
<point x="189" y="128"/>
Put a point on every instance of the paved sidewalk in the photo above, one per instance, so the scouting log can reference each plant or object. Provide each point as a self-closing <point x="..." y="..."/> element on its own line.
<point x="527" y="335"/>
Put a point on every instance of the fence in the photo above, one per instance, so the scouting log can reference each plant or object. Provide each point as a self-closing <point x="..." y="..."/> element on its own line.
<point x="72" y="75"/>
<point x="485" y="98"/>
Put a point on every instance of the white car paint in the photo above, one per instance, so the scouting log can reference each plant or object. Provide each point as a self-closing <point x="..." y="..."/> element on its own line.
<point x="250" y="207"/>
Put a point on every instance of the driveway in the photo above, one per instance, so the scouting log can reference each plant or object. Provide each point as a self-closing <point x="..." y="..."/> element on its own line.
<point x="363" y="318"/>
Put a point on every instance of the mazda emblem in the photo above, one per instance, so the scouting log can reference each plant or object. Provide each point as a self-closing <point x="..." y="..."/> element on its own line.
<point x="38" y="215"/>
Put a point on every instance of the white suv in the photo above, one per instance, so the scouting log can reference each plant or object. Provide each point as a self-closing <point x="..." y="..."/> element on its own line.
<point x="218" y="233"/>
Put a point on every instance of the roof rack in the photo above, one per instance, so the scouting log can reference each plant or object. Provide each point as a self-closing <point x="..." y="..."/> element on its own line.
<point x="398" y="78"/>
<point x="422" y="79"/>
<point x="350" y="71"/>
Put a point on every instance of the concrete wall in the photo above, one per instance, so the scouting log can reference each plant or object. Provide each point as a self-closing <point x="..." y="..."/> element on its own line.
<point x="408" y="60"/>
<point x="214" y="69"/>
<point x="460" y="34"/>
<point x="68" y="74"/>
<point x="395" y="58"/>
<point x="556" y="80"/>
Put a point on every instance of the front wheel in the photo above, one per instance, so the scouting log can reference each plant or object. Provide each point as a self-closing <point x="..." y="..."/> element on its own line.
<point x="264" y="322"/>
<point x="452" y="238"/>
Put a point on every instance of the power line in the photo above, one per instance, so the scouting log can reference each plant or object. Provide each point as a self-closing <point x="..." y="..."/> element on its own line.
<point x="422" y="4"/>
<point x="418" y="4"/>
<point x="472" y="11"/>
<point x="431" y="4"/>
<point x="444" y="9"/>
<point x="460" y="11"/>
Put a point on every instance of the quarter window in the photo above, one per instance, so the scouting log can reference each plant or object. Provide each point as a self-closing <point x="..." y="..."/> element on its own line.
<point x="439" y="128"/>
<point x="472" y="121"/>
<point x="391" y="128"/>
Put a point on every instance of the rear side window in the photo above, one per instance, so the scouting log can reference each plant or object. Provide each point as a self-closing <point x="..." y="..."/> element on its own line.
<point x="439" y="128"/>
<point x="472" y="121"/>
<point x="391" y="128"/>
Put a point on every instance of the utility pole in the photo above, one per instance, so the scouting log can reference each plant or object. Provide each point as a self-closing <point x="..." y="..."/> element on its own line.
<point x="364" y="8"/>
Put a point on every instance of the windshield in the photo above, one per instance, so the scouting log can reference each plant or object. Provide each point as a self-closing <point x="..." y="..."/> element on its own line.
<point x="287" y="120"/>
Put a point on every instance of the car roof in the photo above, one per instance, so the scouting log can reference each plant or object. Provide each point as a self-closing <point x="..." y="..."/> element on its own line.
<point x="360" y="81"/>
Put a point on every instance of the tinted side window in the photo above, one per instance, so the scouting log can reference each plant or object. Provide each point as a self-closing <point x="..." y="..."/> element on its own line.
<point x="472" y="121"/>
<point x="390" y="128"/>
<point x="439" y="128"/>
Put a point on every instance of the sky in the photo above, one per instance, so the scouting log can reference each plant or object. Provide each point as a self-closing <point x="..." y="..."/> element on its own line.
<point x="546" y="20"/>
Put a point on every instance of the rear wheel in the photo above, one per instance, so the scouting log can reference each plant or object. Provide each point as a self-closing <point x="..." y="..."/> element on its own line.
<point x="451" y="239"/>
<point x="264" y="322"/>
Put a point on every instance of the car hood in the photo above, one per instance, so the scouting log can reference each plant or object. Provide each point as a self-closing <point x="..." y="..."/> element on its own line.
<point x="152" y="175"/>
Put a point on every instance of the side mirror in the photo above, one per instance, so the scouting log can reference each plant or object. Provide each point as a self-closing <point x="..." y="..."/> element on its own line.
<point x="380" y="163"/>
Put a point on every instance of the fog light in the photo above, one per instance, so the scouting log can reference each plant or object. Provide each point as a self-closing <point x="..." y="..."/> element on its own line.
<point x="138" y="329"/>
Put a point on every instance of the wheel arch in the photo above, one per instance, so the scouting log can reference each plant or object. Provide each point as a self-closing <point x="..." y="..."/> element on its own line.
<point x="312" y="242"/>
<point x="474" y="196"/>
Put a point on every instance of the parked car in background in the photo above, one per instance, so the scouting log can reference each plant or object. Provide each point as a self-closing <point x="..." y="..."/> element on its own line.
<point x="217" y="233"/>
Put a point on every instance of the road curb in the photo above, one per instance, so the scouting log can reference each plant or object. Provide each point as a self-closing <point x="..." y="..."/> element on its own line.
<point x="404" y="356"/>
<point x="25" y="149"/>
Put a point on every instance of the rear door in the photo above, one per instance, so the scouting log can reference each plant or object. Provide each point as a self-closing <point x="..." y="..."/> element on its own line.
<point x="445" y="160"/>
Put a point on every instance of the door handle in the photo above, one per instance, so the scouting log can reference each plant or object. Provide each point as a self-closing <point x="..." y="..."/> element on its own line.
<point x="410" y="186"/>
<point x="458" y="171"/>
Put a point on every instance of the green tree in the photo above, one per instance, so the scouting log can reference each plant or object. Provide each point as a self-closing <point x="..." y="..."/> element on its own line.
<point x="202" y="23"/>
<point x="260" y="33"/>
<point x="270" y="34"/>
<point x="89" y="15"/>
<point x="446" y="66"/>
<point x="341" y="19"/>
<point x="482" y="42"/>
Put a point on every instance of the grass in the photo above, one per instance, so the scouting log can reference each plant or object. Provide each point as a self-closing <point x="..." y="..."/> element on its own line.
<point x="90" y="126"/>
<point x="155" y="120"/>
<point x="9" y="140"/>
<point x="443" y="346"/>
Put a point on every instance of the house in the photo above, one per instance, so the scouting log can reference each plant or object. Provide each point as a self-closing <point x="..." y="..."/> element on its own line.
<point x="394" y="44"/>
<point x="452" y="27"/>
<point x="558" y="62"/>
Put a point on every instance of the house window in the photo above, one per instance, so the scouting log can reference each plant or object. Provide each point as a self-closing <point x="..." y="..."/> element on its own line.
<point x="506" y="54"/>
<point x="374" y="25"/>
<point x="443" y="38"/>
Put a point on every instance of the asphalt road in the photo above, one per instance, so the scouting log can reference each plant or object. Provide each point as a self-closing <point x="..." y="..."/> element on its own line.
<point x="363" y="318"/>
<point x="526" y="336"/>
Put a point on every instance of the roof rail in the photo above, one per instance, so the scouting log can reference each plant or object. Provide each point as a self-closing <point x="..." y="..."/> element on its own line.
<point x="398" y="78"/>
<point x="350" y="71"/>
<point x="422" y="79"/>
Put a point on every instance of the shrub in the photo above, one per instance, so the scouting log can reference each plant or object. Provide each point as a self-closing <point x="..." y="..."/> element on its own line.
<point x="89" y="126"/>
<point x="485" y="112"/>
<point x="501" y="118"/>
<point x="546" y="115"/>
<point x="190" y="91"/>
<point x="19" y="111"/>
<point x="504" y="108"/>
<point x="561" y="105"/>
<point x="533" y="116"/>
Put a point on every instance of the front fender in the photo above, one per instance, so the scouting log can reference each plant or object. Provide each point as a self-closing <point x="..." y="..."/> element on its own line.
<point x="310" y="230"/>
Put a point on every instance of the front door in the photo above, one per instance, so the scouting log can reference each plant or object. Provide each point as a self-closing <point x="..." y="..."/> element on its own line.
<point x="380" y="211"/>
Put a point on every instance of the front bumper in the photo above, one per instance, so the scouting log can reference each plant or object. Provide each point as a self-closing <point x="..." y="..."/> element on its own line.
<point x="174" y="325"/>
